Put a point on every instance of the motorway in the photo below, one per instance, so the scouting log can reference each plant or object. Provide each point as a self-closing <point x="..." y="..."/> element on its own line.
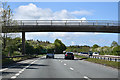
<point x="58" y="68"/>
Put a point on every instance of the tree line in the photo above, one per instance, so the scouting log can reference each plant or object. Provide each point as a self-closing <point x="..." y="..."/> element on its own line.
<point x="14" y="47"/>
<point x="114" y="49"/>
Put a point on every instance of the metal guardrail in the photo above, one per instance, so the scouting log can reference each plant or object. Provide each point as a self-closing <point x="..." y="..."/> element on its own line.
<point x="64" y="22"/>
<point x="109" y="58"/>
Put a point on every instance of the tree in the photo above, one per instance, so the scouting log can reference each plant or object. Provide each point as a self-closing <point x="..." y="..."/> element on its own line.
<point x="95" y="46"/>
<point x="6" y="18"/>
<point x="29" y="49"/>
<point x="114" y="43"/>
<point x="116" y="50"/>
<point x="59" y="46"/>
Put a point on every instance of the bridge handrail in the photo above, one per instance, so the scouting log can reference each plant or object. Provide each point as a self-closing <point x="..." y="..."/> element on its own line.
<point x="66" y="22"/>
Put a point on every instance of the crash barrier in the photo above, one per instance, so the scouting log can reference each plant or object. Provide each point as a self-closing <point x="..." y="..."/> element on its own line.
<point x="108" y="58"/>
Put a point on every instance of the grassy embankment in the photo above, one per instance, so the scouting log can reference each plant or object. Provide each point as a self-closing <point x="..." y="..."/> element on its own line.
<point x="7" y="61"/>
<point x="99" y="61"/>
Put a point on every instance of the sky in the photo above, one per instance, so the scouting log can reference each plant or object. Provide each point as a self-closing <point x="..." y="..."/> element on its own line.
<point x="68" y="10"/>
<point x="60" y="0"/>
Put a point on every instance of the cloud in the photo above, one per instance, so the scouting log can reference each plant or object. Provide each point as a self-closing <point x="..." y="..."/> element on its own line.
<point x="82" y="44"/>
<point x="32" y="12"/>
<point x="59" y="34"/>
<point x="82" y="12"/>
<point x="32" y="35"/>
<point x="72" y="43"/>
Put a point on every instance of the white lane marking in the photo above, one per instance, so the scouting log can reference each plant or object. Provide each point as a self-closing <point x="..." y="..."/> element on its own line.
<point x="64" y="64"/>
<point x="17" y="74"/>
<point x="71" y="68"/>
<point x="87" y="78"/>
<point x="3" y="69"/>
<point x="12" y="66"/>
<point x="61" y="61"/>
<point x="13" y="77"/>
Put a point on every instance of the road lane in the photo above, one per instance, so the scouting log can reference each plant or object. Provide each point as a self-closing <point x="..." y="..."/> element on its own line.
<point x="14" y="69"/>
<point x="60" y="68"/>
<point x="49" y="68"/>
<point x="91" y="70"/>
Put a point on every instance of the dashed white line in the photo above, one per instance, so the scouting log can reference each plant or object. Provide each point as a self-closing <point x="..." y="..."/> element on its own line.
<point x="17" y="74"/>
<point x="87" y="78"/>
<point x="3" y="69"/>
<point x="13" y="77"/>
<point x="64" y="64"/>
<point x="12" y="66"/>
<point x="71" y="68"/>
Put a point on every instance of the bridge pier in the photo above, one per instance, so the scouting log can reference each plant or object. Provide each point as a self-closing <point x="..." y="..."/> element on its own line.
<point x="23" y="42"/>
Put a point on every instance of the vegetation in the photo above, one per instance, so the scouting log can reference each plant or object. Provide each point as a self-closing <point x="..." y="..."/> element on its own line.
<point x="14" y="47"/>
<point x="114" y="49"/>
<point x="78" y="48"/>
<point x="6" y="18"/>
<point x="59" y="46"/>
<point x="99" y="61"/>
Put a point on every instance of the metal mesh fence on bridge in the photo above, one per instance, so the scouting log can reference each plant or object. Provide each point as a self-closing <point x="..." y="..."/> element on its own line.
<point x="64" y="22"/>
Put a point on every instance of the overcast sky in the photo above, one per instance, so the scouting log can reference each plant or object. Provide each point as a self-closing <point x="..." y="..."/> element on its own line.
<point x="68" y="10"/>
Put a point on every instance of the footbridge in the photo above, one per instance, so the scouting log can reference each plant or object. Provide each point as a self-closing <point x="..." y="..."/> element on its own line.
<point x="104" y="26"/>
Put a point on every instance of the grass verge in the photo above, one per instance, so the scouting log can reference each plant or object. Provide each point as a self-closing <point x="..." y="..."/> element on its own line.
<point x="8" y="61"/>
<point x="100" y="61"/>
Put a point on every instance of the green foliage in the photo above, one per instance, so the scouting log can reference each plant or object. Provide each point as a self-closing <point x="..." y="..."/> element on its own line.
<point x="100" y="61"/>
<point x="116" y="50"/>
<point x="12" y="45"/>
<point x="114" y="43"/>
<point x="29" y="49"/>
<point x="59" y="46"/>
<point x="95" y="46"/>
<point x="78" y="48"/>
<point x="38" y="50"/>
<point x="105" y="62"/>
<point x="106" y="50"/>
<point x="16" y="53"/>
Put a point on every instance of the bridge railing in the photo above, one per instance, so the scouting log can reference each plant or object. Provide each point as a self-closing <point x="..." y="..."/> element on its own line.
<point x="64" y="22"/>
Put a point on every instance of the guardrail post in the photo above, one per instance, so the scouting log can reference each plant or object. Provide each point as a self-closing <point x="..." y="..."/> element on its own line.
<point x="21" y="22"/>
<point x="110" y="59"/>
<point x="107" y="24"/>
<point x="36" y="22"/>
<point x="96" y="22"/>
<point x="51" y="22"/>
<point x="79" y="23"/>
<point x="66" y="23"/>
<point x="104" y="58"/>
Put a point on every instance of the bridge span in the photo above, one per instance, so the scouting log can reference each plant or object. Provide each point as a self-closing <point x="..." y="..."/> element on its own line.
<point x="62" y="26"/>
<point x="23" y="26"/>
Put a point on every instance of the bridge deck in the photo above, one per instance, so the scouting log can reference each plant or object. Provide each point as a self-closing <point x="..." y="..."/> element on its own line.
<point x="62" y="26"/>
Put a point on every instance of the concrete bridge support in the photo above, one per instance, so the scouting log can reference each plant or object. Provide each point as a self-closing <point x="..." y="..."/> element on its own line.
<point x="23" y="42"/>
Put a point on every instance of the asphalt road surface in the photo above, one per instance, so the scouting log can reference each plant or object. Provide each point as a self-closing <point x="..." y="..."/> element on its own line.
<point x="58" y="68"/>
